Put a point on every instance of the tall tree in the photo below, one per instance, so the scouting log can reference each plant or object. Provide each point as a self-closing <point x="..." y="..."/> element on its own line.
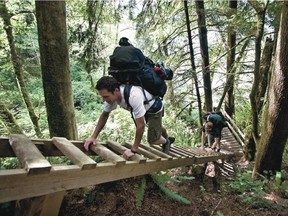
<point x="231" y="42"/>
<point x="274" y="133"/>
<point x="52" y="32"/>
<point x="194" y="75"/>
<point x="18" y="67"/>
<point x="261" y="11"/>
<point x="200" y="9"/>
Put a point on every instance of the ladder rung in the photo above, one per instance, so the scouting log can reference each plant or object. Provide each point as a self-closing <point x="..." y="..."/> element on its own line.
<point x="29" y="156"/>
<point x="120" y="149"/>
<point x="145" y="152"/>
<point x="74" y="153"/>
<point x="107" y="154"/>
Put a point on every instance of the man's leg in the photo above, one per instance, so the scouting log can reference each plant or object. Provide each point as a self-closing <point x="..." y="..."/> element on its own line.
<point x="165" y="135"/>
<point x="210" y="139"/>
<point x="156" y="131"/>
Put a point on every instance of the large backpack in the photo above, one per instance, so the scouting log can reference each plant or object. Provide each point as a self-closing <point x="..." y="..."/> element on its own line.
<point x="128" y="65"/>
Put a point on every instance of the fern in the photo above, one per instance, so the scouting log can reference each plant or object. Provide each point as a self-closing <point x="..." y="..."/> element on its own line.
<point x="140" y="193"/>
<point x="160" y="179"/>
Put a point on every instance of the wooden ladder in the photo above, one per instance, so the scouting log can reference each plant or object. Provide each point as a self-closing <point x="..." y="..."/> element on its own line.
<point x="47" y="183"/>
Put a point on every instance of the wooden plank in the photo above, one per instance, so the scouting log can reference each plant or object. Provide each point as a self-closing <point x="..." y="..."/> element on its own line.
<point x="73" y="153"/>
<point x="145" y="152"/>
<point x="214" y="157"/>
<point x="28" y="155"/>
<point x="170" y="152"/>
<point x="199" y="151"/>
<point x="15" y="185"/>
<point x="179" y="152"/>
<point x="121" y="149"/>
<point x="107" y="154"/>
<point x="185" y="152"/>
<point x="48" y="205"/>
<point x="52" y="203"/>
<point x="156" y="152"/>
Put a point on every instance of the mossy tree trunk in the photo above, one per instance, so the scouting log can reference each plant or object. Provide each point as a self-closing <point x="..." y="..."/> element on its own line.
<point x="264" y="74"/>
<point x="8" y="120"/>
<point x="265" y="71"/>
<point x="274" y="131"/>
<point x="231" y="40"/>
<point x="260" y="11"/>
<point x="52" y="32"/>
<point x="18" y="67"/>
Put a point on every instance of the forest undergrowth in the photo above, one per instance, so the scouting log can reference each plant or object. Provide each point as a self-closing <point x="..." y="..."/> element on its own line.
<point x="183" y="191"/>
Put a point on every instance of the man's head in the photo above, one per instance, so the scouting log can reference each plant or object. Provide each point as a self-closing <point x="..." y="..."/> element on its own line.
<point x="208" y="127"/>
<point x="109" y="89"/>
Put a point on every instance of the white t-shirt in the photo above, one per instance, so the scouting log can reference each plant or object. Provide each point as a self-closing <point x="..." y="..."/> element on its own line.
<point x="136" y="101"/>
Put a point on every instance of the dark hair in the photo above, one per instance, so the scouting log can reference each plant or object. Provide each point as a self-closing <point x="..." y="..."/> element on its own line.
<point x="124" y="42"/>
<point x="107" y="82"/>
<point x="208" y="127"/>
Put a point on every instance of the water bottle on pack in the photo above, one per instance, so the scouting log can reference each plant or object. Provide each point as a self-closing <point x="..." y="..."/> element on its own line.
<point x="160" y="70"/>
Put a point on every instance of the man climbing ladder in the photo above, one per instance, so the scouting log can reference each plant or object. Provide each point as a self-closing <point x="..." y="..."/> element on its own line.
<point x="113" y="94"/>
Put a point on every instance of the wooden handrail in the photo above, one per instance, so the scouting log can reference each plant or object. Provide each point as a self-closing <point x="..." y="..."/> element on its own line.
<point x="234" y="129"/>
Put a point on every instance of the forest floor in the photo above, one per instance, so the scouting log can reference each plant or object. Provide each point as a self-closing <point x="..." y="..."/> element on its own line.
<point x="207" y="196"/>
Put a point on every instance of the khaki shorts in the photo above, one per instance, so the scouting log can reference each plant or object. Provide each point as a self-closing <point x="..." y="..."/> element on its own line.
<point x="154" y="122"/>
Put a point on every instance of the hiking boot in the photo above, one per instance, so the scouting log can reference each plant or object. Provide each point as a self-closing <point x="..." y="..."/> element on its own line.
<point x="166" y="146"/>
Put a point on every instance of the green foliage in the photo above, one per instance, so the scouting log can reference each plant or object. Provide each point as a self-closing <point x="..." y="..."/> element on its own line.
<point x="8" y="163"/>
<point x="90" y="196"/>
<point x="243" y="117"/>
<point x="59" y="160"/>
<point x="249" y="190"/>
<point x="141" y="192"/>
<point x="186" y="132"/>
<point x="278" y="185"/>
<point x="160" y="180"/>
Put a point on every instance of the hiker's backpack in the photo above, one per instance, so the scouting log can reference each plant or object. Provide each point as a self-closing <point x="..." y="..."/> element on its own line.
<point x="224" y="120"/>
<point x="128" y="65"/>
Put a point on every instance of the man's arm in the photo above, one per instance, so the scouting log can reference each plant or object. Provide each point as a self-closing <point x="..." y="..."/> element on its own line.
<point x="100" y="124"/>
<point x="203" y="140"/>
<point x="140" y="127"/>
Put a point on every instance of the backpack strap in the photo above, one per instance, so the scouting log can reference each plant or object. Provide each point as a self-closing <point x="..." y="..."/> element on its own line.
<point x="127" y="90"/>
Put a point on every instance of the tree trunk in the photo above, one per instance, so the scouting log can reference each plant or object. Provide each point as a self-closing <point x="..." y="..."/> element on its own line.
<point x="204" y="54"/>
<point x="264" y="72"/>
<point x="51" y="23"/>
<point x="255" y="87"/>
<point x="18" y="68"/>
<point x="229" y="102"/>
<point x="274" y="132"/>
<point x="9" y="122"/>
<point x="231" y="76"/>
<point x="194" y="75"/>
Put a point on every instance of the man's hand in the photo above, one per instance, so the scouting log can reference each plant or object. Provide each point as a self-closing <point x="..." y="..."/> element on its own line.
<point x="88" y="142"/>
<point x="128" y="154"/>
